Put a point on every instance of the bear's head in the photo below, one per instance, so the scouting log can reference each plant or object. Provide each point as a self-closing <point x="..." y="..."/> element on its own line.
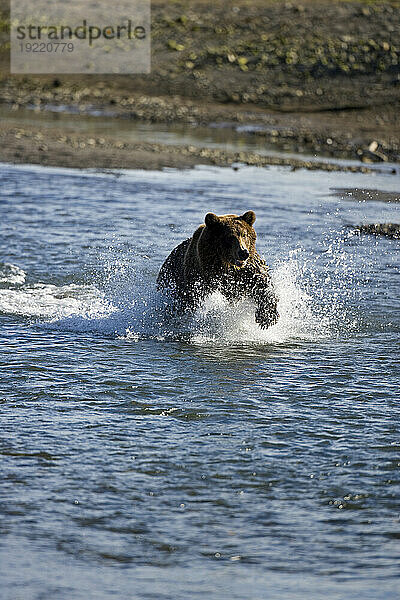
<point x="228" y="240"/>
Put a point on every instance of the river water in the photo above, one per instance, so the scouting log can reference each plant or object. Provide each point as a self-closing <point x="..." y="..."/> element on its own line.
<point x="144" y="458"/>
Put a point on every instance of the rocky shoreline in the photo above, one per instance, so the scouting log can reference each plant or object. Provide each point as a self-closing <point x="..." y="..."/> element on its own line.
<point x="321" y="78"/>
<point x="30" y="145"/>
<point x="390" y="230"/>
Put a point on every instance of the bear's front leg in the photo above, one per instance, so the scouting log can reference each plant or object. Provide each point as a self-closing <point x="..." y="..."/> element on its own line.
<point x="266" y="301"/>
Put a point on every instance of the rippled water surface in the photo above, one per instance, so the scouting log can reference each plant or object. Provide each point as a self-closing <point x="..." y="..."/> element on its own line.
<point x="144" y="458"/>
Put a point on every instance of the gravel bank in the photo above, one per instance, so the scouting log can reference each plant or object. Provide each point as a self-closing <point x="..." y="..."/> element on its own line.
<point x="317" y="77"/>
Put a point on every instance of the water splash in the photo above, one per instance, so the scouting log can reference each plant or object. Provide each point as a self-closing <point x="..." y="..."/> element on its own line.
<point x="129" y="306"/>
<point x="317" y="291"/>
<point x="219" y="321"/>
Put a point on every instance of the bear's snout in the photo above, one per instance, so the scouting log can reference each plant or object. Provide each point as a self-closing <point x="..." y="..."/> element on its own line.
<point x="241" y="257"/>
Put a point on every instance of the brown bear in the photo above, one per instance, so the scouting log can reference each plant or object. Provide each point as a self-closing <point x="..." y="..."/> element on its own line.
<point x="221" y="256"/>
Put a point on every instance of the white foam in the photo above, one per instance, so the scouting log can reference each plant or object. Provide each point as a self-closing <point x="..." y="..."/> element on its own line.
<point x="11" y="274"/>
<point x="53" y="302"/>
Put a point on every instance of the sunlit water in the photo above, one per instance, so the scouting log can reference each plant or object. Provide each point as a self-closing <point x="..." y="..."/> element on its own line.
<point x="199" y="457"/>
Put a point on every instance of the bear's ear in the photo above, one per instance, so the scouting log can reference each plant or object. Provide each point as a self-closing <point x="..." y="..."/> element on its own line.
<point x="211" y="220"/>
<point x="249" y="217"/>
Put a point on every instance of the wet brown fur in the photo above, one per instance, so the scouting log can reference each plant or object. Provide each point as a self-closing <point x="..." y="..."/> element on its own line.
<point x="211" y="260"/>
